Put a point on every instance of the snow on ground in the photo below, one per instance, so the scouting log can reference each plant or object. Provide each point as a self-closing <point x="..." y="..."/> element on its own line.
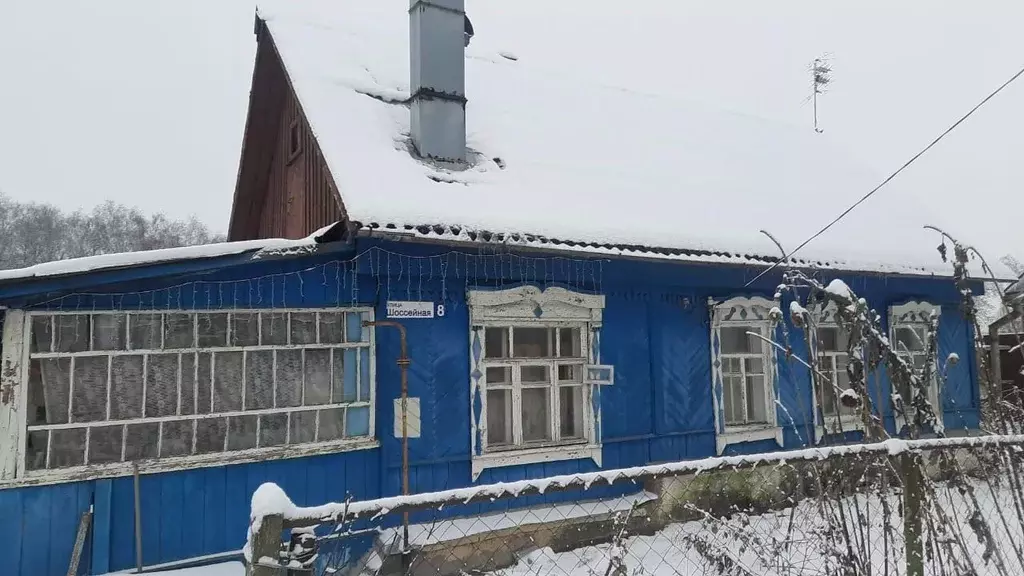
<point x="446" y="530"/>
<point x="779" y="543"/>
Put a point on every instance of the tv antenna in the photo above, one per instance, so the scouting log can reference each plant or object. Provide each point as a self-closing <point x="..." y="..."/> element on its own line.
<point x="821" y="77"/>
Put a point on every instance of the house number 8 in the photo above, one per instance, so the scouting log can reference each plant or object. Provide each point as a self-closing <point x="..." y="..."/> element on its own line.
<point x="440" y="309"/>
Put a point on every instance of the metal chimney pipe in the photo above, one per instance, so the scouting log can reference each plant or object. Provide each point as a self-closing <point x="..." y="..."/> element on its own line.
<point x="437" y="66"/>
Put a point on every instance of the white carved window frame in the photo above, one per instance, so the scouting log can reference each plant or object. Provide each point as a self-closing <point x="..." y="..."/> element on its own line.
<point x="530" y="306"/>
<point x="827" y="317"/>
<point x="754" y="312"/>
<point x="917" y="313"/>
<point x="14" y="381"/>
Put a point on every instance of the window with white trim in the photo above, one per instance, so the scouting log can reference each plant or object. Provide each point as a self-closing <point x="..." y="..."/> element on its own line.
<point x="744" y="362"/>
<point x="832" y="343"/>
<point x="111" y="387"/>
<point x="532" y="354"/>
<point x="910" y="329"/>
<point x="533" y="377"/>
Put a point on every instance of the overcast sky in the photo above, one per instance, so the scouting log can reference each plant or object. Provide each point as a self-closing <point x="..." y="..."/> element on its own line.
<point x="144" y="102"/>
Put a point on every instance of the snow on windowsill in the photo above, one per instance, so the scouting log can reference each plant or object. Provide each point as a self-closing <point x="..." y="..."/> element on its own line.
<point x="741" y="434"/>
<point x="431" y="533"/>
<point x="535" y="456"/>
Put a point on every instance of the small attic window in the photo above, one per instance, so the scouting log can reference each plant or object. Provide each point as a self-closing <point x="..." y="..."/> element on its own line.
<point x="294" y="140"/>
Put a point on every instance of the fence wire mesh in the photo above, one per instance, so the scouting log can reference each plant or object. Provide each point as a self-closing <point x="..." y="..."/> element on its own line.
<point x="950" y="507"/>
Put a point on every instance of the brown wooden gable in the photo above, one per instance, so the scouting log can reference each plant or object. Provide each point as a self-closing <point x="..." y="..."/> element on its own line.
<point x="284" y="187"/>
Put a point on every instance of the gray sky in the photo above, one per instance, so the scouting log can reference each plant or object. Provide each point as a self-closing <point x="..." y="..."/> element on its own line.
<point x="144" y="102"/>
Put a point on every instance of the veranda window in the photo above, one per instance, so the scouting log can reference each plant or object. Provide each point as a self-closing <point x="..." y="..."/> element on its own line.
<point x="105" y="388"/>
<point x="910" y="327"/>
<point x="534" y="385"/>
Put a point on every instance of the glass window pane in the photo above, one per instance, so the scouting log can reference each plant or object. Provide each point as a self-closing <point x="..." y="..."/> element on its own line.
<point x="499" y="375"/>
<point x="364" y="374"/>
<point x="344" y="375"/>
<point x="274" y="328"/>
<point x="354" y="327"/>
<point x="245" y="329"/>
<point x="332" y="423"/>
<point x="828" y="396"/>
<point x="907" y="338"/>
<point x="736" y="340"/>
<point x="72" y="333"/>
<point x="68" y="448"/>
<point x="141" y="441"/>
<point x="204" y="383"/>
<point x="317" y="377"/>
<point x="569" y="343"/>
<point x="332" y="327"/>
<point x="242" y="432"/>
<point x="757" y="408"/>
<point x="273" y="429"/>
<point x="496" y="341"/>
<point x="161" y="385"/>
<point x="289" y="378"/>
<point x="211" y="330"/>
<point x="210" y="435"/>
<point x="227" y="381"/>
<point x="533" y="342"/>
<point x="176" y="438"/>
<point x="499" y="417"/>
<point x="42" y="333"/>
<point x="536" y="415"/>
<point x="753" y="365"/>
<point x="534" y="374"/>
<point x="259" y="379"/>
<point x="357" y="422"/>
<point x="105" y="444"/>
<point x="302" y="427"/>
<point x="731" y="365"/>
<point x="108" y="332"/>
<point x="48" y="390"/>
<point x="178" y="331"/>
<point x="570" y="412"/>
<point x="828" y="339"/>
<point x="144" y="331"/>
<point x="89" y="397"/>
<point x="188" y="384"/>
<point x="125" y="387"/>
<point x="303" y="328"/>
<point x="570" y="373"/>
<point x="35" y="449"/>
<point x="732" y="399"/>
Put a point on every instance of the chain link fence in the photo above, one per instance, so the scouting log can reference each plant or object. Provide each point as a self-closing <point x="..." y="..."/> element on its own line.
<point x="951" y="507"/>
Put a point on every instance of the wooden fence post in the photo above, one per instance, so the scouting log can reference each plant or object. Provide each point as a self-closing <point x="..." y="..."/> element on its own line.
<point x="266" y="545"/>
<point x="913" y="496"/>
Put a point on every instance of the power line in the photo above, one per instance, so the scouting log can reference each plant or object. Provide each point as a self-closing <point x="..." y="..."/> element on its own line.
<point x="887" y="180"/>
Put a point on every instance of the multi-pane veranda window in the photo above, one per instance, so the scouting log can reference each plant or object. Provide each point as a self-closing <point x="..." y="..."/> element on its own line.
<point x="534" y="385"/>
<point x="745" y="393"/>
<point x="833" y="358"/>
<point x="105" y="388"/>
<point x="911" y="341"/>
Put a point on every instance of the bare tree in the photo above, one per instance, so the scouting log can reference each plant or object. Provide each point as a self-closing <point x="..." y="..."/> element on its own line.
<point x="31" y="233"/>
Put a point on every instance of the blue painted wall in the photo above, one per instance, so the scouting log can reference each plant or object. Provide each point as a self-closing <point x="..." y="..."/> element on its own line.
<point x="656" y="333"/>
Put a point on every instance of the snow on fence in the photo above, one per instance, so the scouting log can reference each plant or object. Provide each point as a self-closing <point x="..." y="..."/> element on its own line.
<point x="948" y="506"/>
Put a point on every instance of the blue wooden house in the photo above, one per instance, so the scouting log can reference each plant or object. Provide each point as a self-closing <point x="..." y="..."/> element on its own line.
<point x="577" y="268"/>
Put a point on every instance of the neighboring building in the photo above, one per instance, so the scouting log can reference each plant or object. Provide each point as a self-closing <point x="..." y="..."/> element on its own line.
<point x="564" y="313"/>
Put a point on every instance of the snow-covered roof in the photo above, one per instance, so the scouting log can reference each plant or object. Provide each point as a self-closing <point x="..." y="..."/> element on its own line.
<point x="275" y="246"/>
<point x="581" y="130"/>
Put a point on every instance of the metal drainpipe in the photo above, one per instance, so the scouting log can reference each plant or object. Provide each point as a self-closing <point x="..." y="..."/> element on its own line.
<point x="403" y="364"/>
